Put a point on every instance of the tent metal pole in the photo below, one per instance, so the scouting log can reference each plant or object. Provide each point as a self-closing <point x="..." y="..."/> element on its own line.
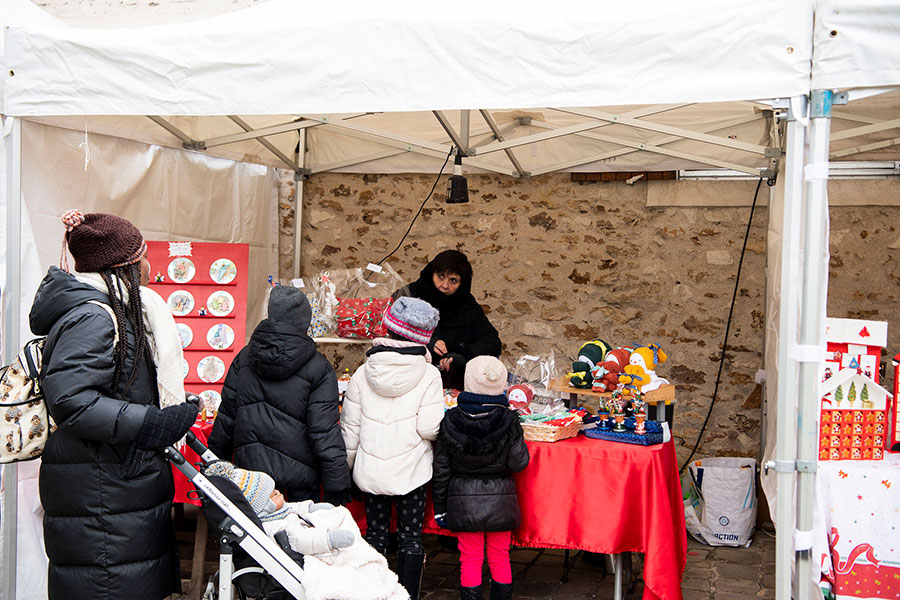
<point x="811" y="350"/>
<point x="11" y="323"/>
<point x="786" y="389"/>
<point x="299" y="178"/>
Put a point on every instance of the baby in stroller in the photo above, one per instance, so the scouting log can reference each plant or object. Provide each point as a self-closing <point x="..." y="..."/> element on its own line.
<point x="338" y="563"/>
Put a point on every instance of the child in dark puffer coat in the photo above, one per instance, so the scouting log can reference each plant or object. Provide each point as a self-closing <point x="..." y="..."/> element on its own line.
<point x="479" y="447"/>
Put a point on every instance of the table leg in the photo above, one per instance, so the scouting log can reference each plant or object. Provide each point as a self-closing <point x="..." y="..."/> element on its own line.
<point x="197" y="583"/>
<point x="617" y="592"/>
<point x="565" y="577"/>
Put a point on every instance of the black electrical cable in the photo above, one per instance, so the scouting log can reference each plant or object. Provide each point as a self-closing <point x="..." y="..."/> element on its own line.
<point x="441" y="172"/>
<point x="737" y="281"/>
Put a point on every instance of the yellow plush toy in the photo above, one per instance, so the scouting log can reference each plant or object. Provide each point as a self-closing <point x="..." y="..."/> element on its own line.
<point x="641" y="369"/>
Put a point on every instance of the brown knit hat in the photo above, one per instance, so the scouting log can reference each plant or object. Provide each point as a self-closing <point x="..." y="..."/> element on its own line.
<point x="100" y="241"/>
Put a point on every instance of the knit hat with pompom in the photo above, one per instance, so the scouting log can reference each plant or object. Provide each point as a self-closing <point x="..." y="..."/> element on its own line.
<point x="485" y="375"/>
<point x="101" y="241"/>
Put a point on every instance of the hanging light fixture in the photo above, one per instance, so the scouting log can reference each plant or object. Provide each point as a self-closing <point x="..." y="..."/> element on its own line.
<point x="457" y="187"/>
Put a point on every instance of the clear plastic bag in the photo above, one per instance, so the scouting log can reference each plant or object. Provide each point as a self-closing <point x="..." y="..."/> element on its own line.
<point x="356" y="299"/>
<point x="319" y="324"/>
<point x="539" y="371"/>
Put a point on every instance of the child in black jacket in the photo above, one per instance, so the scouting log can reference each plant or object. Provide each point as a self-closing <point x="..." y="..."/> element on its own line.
<point x="479" y="447"/>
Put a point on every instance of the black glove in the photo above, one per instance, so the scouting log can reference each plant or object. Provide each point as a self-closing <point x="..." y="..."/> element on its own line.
<point x="164" y="427"/>
<point x="337" y="498"/>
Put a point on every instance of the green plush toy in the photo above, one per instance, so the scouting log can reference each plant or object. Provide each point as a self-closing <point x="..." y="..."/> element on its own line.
<point x="589" y="354"/>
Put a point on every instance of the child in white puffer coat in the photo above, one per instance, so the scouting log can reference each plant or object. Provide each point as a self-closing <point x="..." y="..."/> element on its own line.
<point x="392" y="412"/>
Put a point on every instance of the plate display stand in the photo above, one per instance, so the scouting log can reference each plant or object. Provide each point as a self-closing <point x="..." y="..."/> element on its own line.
<point x="205" y="284"/>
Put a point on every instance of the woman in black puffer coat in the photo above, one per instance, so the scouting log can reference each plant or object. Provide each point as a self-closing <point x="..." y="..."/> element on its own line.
<point x="479" y="447"/>
<point x="279" y="411"/>
<point x="463" y="331"/>
<point x="106" y="491"/>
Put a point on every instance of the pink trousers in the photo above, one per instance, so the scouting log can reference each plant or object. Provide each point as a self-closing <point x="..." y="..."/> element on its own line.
<point x="471" y="556"/>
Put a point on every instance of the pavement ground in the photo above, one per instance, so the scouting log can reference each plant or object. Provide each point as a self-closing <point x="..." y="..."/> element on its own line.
<point x="712" y="573"/>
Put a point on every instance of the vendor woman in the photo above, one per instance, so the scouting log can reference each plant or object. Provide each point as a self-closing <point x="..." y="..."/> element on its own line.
<point x="463" y="331"/>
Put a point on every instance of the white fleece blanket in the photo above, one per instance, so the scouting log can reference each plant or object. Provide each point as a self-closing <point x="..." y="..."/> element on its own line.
<point x="357" y="572"/>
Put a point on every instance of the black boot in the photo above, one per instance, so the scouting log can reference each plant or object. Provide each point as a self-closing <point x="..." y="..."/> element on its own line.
<point x="409" y="572"/>
<point x="501" y="591"/>
<point x="470" y="593"/>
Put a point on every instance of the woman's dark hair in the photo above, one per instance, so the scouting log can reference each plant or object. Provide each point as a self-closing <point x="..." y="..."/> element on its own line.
<point x="452" y="261"/>
<point x="131" y="275"/>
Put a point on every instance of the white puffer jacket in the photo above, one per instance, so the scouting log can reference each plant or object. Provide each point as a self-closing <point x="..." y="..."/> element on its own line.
<point x="392" y="412"/>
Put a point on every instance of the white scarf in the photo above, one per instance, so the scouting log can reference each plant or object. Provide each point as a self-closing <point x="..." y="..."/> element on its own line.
<point x="162" y="335"/>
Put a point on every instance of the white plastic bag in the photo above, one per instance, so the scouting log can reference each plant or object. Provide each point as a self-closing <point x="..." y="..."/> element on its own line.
<point x="720" y="500"/>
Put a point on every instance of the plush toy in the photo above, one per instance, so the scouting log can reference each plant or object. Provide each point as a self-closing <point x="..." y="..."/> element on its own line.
<point x="606" y="373"/>
<point x="589" y="354"/>
<point x="641" y="368"/>
<point x="520" y="396"/>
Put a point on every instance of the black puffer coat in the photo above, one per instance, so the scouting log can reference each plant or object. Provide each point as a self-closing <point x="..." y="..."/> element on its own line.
<point x="474" y="459"/>
<point x="107" y="526"/>
<point x="463" y="326"/>
<point x="279" y="413"/>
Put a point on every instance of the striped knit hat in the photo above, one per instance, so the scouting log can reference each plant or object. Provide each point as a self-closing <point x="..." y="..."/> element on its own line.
<point x="256" y="486"/>
<point x="412" y="318"/>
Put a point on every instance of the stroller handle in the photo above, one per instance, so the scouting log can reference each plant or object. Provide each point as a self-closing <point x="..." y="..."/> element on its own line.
<point x="195" y="444"/>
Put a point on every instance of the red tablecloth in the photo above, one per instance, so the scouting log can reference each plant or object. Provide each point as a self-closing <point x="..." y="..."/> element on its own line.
<point x="604" y="497"/>
<point x="182" y="485"/>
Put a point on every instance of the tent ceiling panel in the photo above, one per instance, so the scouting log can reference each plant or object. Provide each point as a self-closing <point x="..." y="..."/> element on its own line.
<point x="851" y="51"/>
<point x="358" y="56"/>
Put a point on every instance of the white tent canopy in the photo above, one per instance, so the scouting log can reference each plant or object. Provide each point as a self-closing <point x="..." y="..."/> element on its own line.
<point x="393" y="87"/>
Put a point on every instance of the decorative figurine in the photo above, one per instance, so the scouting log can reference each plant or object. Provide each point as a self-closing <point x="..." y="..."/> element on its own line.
<point x="159" y="277"/>
<point x="617" y="407"/>
<point x="640" y="414"/>
<point x="603" y="413"/>
<point x="202" y="311"/>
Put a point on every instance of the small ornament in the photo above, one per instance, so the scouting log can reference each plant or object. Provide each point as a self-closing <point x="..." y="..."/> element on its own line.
<point x="202" y="311"/>
<point x="640" y="414"/>
<point x="159" y="277"/>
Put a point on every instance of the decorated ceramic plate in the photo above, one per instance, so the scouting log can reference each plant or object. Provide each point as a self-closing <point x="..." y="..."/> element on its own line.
<point x="181" y="270"/>
<point x="210" y="369"/>
<point x="187" y="368"/>
<point x="211" y="398"/>
<point x="185" y="333"/>
<point x="223" y="271"/>
<point x="220" y="303"/>
<point x="220" y="336"/>
<point x="181" y="302"/>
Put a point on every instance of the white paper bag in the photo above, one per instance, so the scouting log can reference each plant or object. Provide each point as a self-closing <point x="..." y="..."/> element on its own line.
<point x="720" y="500"/>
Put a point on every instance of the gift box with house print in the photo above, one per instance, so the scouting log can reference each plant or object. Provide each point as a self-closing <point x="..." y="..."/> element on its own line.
<point x="854" y="417"/>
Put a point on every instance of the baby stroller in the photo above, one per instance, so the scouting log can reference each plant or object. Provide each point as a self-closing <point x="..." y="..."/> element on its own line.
<point x="265" y="569"/>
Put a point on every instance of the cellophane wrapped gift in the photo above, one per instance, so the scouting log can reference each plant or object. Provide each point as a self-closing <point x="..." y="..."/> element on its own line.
<point x="360" y="299"/>
<point x="319" y="325"/>
<point x="538" y="370"/>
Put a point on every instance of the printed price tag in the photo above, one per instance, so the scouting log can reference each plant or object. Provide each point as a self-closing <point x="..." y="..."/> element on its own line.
<point x="374" y="267"/>
<point x="297" y="283"/>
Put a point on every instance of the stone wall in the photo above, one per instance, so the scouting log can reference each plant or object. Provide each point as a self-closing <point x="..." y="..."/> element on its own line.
<point x="558" y="263"/>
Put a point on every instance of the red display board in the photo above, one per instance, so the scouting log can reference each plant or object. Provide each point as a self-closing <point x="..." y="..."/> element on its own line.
<point x="205" y="285"/>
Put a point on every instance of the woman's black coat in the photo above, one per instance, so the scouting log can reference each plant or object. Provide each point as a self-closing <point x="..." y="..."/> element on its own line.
<point x="107" y="525"/>
<point x="474" y="459"/>
<point x="279" y="413"/>
<point x="463" y="326"/>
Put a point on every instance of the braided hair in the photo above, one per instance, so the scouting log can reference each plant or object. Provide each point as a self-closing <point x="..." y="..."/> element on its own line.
<point x="133" y="312"/>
